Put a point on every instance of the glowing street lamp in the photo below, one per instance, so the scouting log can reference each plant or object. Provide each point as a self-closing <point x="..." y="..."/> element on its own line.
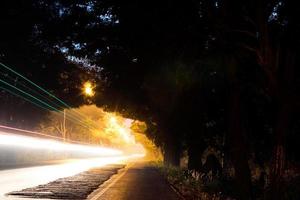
<point x="88" y="89"/>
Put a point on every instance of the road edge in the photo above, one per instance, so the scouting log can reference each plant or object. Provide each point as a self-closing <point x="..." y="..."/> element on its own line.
<point x="96" y="194"/>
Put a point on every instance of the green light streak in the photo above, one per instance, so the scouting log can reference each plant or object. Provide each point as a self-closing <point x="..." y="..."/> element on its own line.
<point x="2" y="81"/>
<point x="47" y="99"/>
<point x="51" y="95"/>
<point x="47" y="105"/>
<point x="27" y="99"/>
<point x="45" y="91"/>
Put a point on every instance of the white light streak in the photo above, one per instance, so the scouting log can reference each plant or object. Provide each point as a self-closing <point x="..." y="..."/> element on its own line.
<point x="36" y="143"/>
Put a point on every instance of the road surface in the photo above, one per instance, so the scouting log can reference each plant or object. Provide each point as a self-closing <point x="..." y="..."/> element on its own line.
<point x="138" y="181"/>
<point x="21" y="178"/>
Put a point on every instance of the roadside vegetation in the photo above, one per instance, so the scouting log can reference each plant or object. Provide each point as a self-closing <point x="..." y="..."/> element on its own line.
<point x="189" y="183"/>
<point x="194" y="185"/>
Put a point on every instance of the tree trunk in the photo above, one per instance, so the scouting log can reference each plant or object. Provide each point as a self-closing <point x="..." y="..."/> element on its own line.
<point x="282" y="125"/>
<point x="278" y="160"/>
<point x="195" y="150"/>
<point x="172" y="153"/>
<point x="238" y="147"/>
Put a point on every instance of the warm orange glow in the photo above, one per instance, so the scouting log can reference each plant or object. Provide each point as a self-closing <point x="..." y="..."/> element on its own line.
<point x="108" y="129"/>
<point x="120" y="129"/>
<point x="88" y="89"/>
<point x="113" y="120"/>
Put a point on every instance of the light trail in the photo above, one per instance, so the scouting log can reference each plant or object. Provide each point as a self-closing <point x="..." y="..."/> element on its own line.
<point x="47" y="144"/>
<point x="23" y="147"/>
<point x="29" y="95"/>
<point x="20" y="178"/>
<point x="42" y="98"/>
<point x="64" y="105"/>
<point x="32" y="83"/>
<point x="50" y="108"/>
<point x="70" y="116"/>
<point x="7" y="128"/>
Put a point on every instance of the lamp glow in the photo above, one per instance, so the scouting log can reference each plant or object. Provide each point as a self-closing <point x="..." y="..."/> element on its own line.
<point x="88" y="89"/>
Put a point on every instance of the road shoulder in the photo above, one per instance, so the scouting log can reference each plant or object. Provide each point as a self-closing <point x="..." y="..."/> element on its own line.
<point x="137" y="181"/>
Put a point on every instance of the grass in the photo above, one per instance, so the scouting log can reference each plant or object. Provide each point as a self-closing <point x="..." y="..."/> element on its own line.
<point x="192" y="185"/>
<point x="200" y="186"/>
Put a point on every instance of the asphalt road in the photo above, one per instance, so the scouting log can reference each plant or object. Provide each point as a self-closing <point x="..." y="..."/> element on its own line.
<point x="137" y="181"/>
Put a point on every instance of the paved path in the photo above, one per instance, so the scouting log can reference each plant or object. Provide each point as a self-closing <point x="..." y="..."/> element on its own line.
<point x="136" y="182"/>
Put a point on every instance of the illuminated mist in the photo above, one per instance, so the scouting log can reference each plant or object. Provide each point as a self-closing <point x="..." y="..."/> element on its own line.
<point x="96" y="126"/>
